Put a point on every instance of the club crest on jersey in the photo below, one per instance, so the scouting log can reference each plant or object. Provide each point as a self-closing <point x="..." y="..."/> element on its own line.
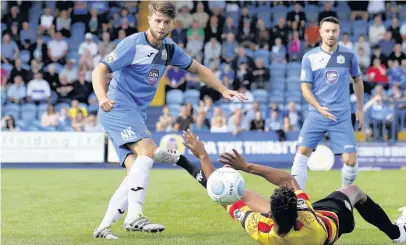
<point x="153" y="76"/>
<point x="111" y="57"/>
<point x="331" y="77"/>
<point x="340" y="59"/>
<point x="164" y="55"/>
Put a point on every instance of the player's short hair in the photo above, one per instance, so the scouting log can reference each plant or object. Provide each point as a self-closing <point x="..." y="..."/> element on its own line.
<point x="284" y="208"/>
<point x="167" y="8"/>
<point x="330" y="19"/>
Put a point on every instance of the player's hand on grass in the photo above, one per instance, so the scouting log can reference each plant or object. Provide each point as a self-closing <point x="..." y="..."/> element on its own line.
<point x="324" y="111"/>
<point x="231" y="94"/>
<point x="106" y="104"/>
<point x="359" y="115"/>
<point x="194" y="144"/>
<point x="235" y="160"/>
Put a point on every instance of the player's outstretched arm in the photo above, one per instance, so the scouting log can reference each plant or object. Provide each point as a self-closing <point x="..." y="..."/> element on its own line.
<point x="99" y="87"/>
<point x="197" y="147"/>
<point x="208" y="78"/>
<point x="275" y="176"/>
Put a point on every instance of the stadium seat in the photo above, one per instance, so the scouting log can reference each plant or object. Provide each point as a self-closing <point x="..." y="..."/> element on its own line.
<point x="28" y="112"/>
<point x="8" y="68"/>
<point x="343" y="11"/>
<point x="278" y="12"/>
<point x="174" y="96"/>
<point x="93" y="108"/>
<point x="402" y="13"/>
<point x="41" y="109"/>
<point x="277" y="98"/>
<point x="12" y="110"/>
<point x="59" y="106"/>
<point x="260" y="95"/>
<point x="174" y="109"/>
<point x="311" y="12"/>
<point x="82" y="105"/>
<point x="192" y="96"/>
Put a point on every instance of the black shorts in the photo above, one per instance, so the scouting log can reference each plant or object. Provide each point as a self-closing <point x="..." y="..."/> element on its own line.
<point x="338" y="203"/>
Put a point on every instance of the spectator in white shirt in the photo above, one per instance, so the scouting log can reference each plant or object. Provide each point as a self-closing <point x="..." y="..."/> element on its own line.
<point x="58" y="49"/>
<point x="70" y="72"/>
<point x="361" y="43"/>
<point x="364" y="60"/>
<point x="38" y="90"/>
<point x="376" y="31"/>
<point x="46" y="22"/>
<point x="346" y="42"/>
<point x="107" y="43"/>
<point x="212" y="51"/>
<point x="88" y="44"/>
<point x="185" y="17"/>
<point x="200" y="16"/>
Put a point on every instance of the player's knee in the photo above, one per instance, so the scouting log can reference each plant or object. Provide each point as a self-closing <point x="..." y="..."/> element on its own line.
<point x="350" y="162"/>
<point x="304" y="151"/>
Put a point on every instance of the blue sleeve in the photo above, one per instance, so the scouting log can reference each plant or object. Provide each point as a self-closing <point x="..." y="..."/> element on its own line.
<point x="181" y="59"/>
<point x="355" y="71"/>
<point x="306" y="74"/>
<point x="121" y="56"/>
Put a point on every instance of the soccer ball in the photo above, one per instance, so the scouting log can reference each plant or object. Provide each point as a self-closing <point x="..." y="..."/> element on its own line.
<point x="225" y="186"/>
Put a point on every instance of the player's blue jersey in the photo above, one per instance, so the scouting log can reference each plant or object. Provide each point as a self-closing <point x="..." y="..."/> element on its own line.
<point x="330" y="78"/>
<point x="138" y="66"/>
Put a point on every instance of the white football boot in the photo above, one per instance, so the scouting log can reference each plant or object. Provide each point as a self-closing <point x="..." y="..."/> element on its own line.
<point x="104" y="233"/>
<point x="143" y="224"/>
<point x="401" y="222"/>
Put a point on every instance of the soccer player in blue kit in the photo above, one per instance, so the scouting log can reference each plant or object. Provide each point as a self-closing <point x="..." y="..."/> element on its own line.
<point x="137" y="64"/>
<point x="325" y="75"/>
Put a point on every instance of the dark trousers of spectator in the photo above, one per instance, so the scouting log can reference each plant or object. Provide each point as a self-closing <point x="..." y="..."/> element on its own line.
<point x="281" y="135"/>
<point x="215" y="96"/>
<point x="379" y="126"/>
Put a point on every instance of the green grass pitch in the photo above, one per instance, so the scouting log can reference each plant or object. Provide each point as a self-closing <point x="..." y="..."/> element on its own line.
<point x="64" y="206"/>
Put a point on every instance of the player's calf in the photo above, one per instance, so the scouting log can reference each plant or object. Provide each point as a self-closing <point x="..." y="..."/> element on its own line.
<point x="349" y="171"/>
<point x="299" y="168"/>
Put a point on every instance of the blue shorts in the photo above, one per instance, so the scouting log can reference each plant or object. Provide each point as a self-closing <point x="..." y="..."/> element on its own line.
<point x="124" y="125"/>
<point x="341" y="133"/>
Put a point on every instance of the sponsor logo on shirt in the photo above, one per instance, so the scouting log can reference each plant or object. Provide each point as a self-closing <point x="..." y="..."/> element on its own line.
<point x="153" y="76"/>
<point x="331" y="77"/>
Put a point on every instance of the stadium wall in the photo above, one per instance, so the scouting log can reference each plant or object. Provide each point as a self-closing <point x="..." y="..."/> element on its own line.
<point x="262" y="148"/>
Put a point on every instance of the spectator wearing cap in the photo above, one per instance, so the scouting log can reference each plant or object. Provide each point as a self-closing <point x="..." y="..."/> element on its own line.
<point x="9" y="50"/>
<point x="17" y="91"/>
<point x="57" y="49"/>
<point x="69" y="71"/>
<point x="89" y="45"/>
<point x="38" y="90"/>
<point x="376" y="31"/>
<point x="46" y="22"/>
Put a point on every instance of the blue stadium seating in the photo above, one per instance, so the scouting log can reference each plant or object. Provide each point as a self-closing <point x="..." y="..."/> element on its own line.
<point x="174" y="96"/>
<point x="12" y="109"/>
<point x="174" y="109"/>
<point x="28" y="112"/>
<point x="192" y="96"/>
<point x="59" y="106"/>
<point x="260" y="95"/>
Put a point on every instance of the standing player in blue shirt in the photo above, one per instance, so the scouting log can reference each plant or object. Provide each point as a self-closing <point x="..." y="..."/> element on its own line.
<point x="137" y="64"/>
<point x="326" y="73"/>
